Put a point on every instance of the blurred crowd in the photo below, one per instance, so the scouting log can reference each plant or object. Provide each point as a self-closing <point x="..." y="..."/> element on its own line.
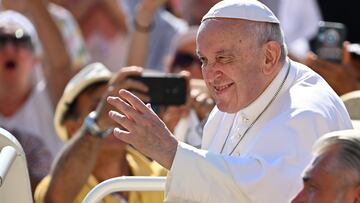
<point x="60" y="59"/>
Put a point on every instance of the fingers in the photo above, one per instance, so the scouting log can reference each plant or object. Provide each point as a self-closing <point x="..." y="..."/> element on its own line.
<point x="122" y="120"/>
<point x="122" y="135"/>
<point x="124" y="73"/>
<point x="124" y="108"/>
<point x="131" y="106"/>
<point x="346" y="54"/>
<point x="134" y="101"/>
<point x="319" y="65"/>
<point x="129" y="84"/>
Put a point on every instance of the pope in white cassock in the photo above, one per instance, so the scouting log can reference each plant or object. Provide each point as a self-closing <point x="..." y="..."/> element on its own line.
<point x="269" y="112"/>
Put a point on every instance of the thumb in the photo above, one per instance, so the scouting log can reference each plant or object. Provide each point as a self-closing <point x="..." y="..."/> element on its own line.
<point x="346" y="54"/>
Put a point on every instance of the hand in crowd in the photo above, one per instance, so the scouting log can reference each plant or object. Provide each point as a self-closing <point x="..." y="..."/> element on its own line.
<point x="121" y="81"/>
<point x="146" y="11"/>
<point x="202" y="102"/>
<point x="343" y="77"/>
<point x="198" y="100"/>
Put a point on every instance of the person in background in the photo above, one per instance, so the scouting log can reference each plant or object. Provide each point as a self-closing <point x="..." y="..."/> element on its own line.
<point x="103" y="25"/>
<point x="92" y="154"/>
<point x="70" y="32"/>
<point x="269" y="112"/>
<point x="152" y="31"/>
<point x="334" y="174"/>
<point x="27" y="104"/>
<point x="186" y="121"/>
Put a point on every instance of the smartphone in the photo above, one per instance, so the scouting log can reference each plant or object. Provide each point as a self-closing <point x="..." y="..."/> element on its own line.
<point x="164" y="89"/>
<point x="328" y="42"/>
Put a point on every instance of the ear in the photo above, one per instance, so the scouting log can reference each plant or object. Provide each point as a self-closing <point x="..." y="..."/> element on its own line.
<point x="272" y="56"/>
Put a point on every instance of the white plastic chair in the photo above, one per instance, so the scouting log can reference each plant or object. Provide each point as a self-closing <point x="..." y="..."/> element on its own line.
<point x="14" y="176"/>
<point x="125" y="183"/>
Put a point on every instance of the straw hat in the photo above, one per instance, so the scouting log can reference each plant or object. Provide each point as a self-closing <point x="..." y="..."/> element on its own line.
<point x="92" y="73"/>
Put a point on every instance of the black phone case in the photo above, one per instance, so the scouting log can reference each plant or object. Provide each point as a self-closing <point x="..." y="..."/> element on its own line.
<point x="165" y="89"/>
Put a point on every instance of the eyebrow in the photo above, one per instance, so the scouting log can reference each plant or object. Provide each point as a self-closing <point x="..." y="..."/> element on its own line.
<point x="226" y="52"/>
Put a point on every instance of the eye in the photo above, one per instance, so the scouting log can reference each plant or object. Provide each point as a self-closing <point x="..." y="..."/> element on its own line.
<point x="203" y="61"/>
<point x="224" y="59"/>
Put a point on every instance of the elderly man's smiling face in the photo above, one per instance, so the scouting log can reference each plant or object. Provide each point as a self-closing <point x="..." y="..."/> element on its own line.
<point x="232" y="62"/>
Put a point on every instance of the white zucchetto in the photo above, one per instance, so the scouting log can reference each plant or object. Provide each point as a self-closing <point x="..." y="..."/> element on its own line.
<point x="252" y="10"/>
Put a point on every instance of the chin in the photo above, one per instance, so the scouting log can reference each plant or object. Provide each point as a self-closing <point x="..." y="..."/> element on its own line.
<point x="228" y="108"/>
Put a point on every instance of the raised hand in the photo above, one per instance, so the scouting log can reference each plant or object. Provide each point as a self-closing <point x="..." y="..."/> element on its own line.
<point x="143" y="128"/>
<point x="121" y="81"/>
<point x="343" y="77"/>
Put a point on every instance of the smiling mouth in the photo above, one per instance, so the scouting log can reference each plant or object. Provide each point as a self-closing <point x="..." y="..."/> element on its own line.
<point x="10" y="65"/>
<point x="221" y="88"/>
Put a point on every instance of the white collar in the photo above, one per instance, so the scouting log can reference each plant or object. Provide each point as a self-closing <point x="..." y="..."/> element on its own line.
<point x="249" y="113"/>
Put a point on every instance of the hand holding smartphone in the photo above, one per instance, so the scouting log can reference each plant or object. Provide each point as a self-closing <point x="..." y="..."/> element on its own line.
<point x="329" y="41"/>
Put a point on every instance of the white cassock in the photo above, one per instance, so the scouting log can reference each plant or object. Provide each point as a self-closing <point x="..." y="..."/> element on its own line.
<point x="267" y="164"/>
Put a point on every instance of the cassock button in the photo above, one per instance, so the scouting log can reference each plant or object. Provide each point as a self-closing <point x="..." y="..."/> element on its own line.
<point x="244" y="119"/>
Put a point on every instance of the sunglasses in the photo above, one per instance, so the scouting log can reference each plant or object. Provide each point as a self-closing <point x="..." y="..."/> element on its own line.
<point x="22" y="42"/>
<point x="184" y="60"/>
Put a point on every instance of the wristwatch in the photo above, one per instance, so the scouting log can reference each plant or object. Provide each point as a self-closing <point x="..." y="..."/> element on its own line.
<point x="92" y="127"/>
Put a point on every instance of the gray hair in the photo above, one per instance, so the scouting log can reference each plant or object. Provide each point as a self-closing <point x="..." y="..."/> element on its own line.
<point x="265" y="32"/>
<point x="348" y="150"/>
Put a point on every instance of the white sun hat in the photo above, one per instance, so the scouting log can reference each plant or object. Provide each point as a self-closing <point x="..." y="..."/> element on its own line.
<point x="252" y="10"/>
<point x="90" y="74"/>
<point x="352" y="104"/>
<point x="14" y="18"/>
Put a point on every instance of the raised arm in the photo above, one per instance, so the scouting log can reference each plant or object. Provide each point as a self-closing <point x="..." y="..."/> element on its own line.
<point x="142" y="23"/>
<point x="73" y="167"/>
<point x="57" y="66"/>
<point x="57" y="62"/>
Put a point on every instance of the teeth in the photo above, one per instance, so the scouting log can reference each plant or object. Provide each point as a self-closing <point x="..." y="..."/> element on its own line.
<point x="220" y="88"/>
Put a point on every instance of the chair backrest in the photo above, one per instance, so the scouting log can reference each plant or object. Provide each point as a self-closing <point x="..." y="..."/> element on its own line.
<point x="125" y="183"/>
<point x="14" y="176"/>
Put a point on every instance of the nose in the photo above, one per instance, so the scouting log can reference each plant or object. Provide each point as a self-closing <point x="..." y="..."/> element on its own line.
<point x="299" y="198"/>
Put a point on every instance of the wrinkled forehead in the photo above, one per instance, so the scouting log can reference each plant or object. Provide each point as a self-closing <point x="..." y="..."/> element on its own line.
<point x="225" y="25"/>
<point x="223" y="29"/>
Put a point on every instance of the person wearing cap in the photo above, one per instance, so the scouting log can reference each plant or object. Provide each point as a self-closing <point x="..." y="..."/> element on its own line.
<point x="269" y="111"/>
<point x="92" y="154"/>
<point x="336" y="154"/>
<point x="26" y="103"/>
